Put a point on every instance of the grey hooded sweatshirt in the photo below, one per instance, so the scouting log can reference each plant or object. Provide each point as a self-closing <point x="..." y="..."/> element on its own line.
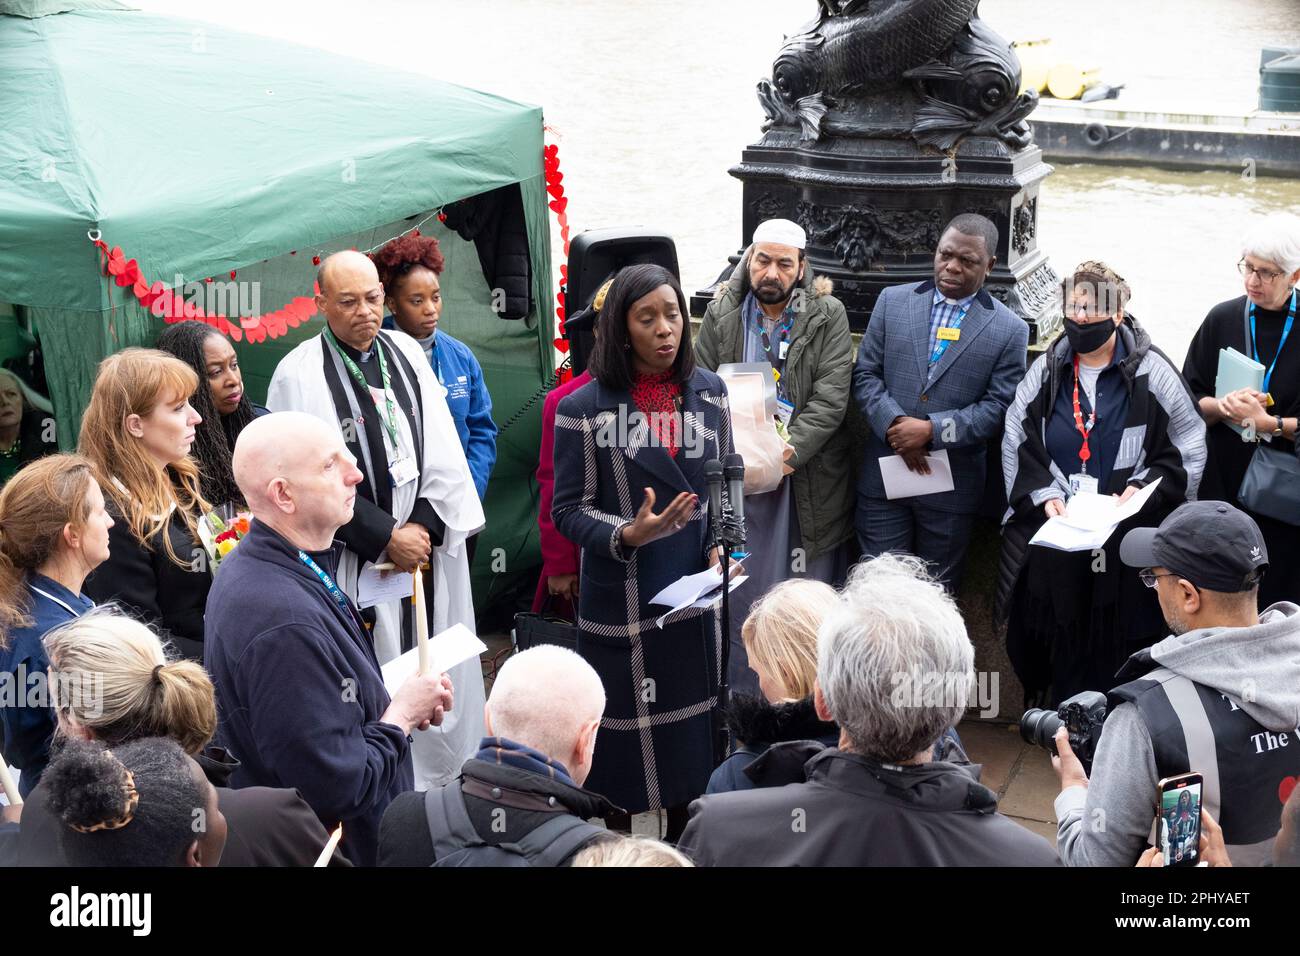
<point x="1109" y="822"/>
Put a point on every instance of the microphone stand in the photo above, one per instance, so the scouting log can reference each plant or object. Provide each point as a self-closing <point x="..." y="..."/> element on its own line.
<point x="727" y="532"/>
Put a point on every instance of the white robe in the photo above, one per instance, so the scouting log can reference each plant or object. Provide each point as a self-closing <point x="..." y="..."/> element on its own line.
<point x="299" y="385"/>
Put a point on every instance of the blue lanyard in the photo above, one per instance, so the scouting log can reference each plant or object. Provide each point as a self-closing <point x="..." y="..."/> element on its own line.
<point x="941" y="345"/>
<point x="437" y="362"/>
<point x="339" y="597"/>
<point x="1286" y="330"/>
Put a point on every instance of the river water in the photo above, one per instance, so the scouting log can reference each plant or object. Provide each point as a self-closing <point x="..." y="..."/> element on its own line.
<point x="653" y="100"/>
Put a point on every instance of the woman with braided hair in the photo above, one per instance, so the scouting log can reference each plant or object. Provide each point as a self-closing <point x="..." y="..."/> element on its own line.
<point x="139" y="804"/>
<point x="1102" y="411"/>
<point x="220" y="400"/>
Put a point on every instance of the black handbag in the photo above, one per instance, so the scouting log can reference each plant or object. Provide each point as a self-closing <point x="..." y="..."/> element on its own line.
<point x="1271" y="486"/>
<point x="532" y="628"/>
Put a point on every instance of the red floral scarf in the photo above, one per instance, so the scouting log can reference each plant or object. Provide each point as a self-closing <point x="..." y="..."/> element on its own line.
<point x="656" y="398"/>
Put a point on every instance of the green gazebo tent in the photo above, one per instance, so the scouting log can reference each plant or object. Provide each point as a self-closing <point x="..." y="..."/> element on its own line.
<point x="201" y="151"/>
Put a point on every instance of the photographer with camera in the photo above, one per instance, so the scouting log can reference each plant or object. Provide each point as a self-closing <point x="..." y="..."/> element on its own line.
<point x="1220" y="697"/>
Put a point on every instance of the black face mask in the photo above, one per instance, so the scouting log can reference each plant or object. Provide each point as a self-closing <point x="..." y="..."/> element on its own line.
<point x="1090" y="337"/>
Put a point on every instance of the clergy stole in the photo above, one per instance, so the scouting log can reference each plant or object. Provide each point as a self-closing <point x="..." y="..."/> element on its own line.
<point x="380" y="501"/>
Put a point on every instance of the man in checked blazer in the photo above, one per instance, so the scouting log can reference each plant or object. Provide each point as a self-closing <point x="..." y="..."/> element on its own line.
<point x="937" y="368"/>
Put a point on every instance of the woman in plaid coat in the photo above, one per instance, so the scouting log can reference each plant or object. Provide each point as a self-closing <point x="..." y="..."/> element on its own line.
<point x="630" y="449"/>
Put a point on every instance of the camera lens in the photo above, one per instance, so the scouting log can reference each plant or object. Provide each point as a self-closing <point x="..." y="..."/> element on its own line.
<point x="1039" y="727"/>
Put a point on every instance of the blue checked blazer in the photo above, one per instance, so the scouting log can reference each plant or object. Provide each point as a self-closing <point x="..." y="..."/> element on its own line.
<point x="965" y="395"/>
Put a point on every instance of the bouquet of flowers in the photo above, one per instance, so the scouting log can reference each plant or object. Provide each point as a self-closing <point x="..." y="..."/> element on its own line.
<point x="220" y="535"/>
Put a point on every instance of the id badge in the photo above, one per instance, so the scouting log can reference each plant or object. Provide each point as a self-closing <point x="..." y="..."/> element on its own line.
<point x="403" y="470"/>
<point x="784" y="410"/>
<point x="782" y="349"/>
<point x="1080" y="483"/>
<point x="947" y="334"/>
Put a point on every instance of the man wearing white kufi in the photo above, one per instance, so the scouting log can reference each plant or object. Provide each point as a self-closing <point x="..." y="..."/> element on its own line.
<point x="798" y="511"/>
<point x="417" y="502"/>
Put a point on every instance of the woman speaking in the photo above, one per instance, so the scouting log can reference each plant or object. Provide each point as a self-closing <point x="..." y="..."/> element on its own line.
<point x="630" y="449"/>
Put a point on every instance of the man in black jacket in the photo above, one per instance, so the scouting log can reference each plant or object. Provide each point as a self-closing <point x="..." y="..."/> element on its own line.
<point x="894" y="670"/>
<point x="519" y="800"/>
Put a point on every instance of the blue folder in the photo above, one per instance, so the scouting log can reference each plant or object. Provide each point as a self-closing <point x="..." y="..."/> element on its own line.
<point x="1237" y="371"/>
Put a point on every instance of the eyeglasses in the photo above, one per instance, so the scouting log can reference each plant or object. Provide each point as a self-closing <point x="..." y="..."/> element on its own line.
<point x="1148" y="577"/>
<point x="1090" y="312"/>
<point x="1265" y="275"/>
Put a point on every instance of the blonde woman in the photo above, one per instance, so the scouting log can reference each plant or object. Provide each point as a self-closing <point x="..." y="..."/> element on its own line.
<point x="622" y="851"/>
<point x="113" y="684"/>
<point x="138" y="431"/>
<point x="53" y="532"/>
<point x="780" y="637"/>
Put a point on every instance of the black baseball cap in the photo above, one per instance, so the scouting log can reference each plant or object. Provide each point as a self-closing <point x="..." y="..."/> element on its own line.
<point x="1210" y="543"/>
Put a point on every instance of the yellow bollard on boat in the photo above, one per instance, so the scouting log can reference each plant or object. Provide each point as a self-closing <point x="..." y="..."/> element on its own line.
<point x="1068" y="81"/>
<point x="1036" y="60"/>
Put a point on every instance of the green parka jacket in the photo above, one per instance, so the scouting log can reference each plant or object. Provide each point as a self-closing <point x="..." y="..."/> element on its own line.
<point x="818" y="369"/>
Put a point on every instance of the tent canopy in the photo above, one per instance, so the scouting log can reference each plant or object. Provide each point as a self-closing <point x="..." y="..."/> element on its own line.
<point x="199" y="149"/>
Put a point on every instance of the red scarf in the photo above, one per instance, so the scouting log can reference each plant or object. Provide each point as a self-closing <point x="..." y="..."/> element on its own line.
<point x="656" y="399"/>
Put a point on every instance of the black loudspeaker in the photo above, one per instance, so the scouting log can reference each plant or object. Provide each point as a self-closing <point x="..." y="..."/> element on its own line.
<point x="596" y="255"/>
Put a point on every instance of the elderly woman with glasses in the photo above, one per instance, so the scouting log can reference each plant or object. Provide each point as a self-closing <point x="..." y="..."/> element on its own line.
<point x="25" y="433"/>
<point x="1101" y="412"/>
<point x="1259" y="325"/>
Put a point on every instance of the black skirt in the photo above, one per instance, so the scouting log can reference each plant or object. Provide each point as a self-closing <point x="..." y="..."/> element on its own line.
<point x="1075" y="619"/>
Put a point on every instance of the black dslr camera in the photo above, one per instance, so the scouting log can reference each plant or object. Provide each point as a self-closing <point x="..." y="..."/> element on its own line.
<point x="1082" y="715"/>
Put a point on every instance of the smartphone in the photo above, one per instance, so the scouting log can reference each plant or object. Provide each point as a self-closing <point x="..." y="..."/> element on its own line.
<point x="1178" y="801"/>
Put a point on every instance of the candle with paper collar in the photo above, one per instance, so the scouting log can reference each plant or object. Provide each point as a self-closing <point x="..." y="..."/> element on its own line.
<point x="421" y="623"/>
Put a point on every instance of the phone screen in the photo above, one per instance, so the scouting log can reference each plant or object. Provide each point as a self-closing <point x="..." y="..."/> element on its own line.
<point x="1180" y="814"/>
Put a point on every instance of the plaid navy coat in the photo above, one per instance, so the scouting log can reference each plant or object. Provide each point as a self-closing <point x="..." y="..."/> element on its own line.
<point x="655" y="745"/>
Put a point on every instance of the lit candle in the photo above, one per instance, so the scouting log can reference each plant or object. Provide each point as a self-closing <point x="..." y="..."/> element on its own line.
<point x="7" y="782"/>
<point x="421" y="623"/>
<point x="325" y="854"/>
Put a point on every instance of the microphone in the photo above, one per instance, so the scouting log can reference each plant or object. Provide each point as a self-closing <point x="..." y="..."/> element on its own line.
<point x="735" y="472"/>
<point x="713" y="476"/>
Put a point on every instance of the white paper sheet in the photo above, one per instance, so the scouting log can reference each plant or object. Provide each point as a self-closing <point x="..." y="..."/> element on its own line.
<point x="1055" y="533"/>
<point x="378" y="587"/>
<point x="901" y="482"/>
<point x="701" y="589"/>
<point x="709" y="599"/>
<point x="686" y="589"/>
<point x="446" y="649"/>
<point x="1089" y="520"/>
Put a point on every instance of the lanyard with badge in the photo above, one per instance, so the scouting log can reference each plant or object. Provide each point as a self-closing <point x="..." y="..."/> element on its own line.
<point x="784" y="407"/>
<point x="944" y="336"/>
<point x="1082" y="481"/>
<point x="339" y="597"/>
<point x="401" y="468"/>
<point x="1254" y="347"/>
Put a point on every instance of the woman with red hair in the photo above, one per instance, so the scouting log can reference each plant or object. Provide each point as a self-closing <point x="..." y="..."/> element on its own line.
<point x="409" y="267"/>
